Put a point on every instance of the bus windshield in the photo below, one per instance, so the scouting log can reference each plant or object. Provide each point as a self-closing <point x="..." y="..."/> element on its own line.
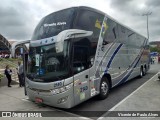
<point x="54" y="23"/>
<point x="45" y="65"/>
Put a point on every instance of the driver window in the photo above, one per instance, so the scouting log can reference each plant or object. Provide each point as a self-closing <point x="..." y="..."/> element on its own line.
<point x="80" y="58"/>
<point x="81" y="55"/>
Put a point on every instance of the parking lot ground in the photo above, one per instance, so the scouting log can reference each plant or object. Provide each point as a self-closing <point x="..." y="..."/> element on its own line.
<point x="136" y="95"/>
<point x="143" y="103"/>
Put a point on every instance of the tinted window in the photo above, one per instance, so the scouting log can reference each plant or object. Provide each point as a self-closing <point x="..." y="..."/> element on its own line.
<point x="44" y="63"/>
<point x="90" y="21"/>
<point x="81" y="54"/>
<point x="123" y="34"/>
<point x="131" y="38"/>
<point x="80" y="58"/>
<point x="111" y="32"/>
<point x="54" y="23"/>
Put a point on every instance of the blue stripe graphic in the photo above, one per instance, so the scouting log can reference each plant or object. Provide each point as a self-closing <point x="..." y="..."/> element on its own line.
<point x="129" y="73"/>
<point x="111" y="59"/>
<point x="133" y="65"/>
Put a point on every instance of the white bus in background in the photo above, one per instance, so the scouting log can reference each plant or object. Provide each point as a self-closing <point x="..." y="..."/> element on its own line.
<point x="80" y="52"/>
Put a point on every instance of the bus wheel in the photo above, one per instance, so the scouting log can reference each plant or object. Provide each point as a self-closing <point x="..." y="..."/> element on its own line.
<point x="104" y="89"/>
<point x="145" y="70"/>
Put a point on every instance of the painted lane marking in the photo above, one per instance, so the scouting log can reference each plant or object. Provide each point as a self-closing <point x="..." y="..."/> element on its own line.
<point x="25" y="99"/>
<point x="118" y="104"/>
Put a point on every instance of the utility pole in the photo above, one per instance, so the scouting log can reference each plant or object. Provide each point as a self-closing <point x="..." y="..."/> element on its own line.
<point x="147" y="14"/>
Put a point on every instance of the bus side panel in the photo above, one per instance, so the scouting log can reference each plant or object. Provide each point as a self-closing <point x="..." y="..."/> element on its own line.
<point x="119" y="53"/>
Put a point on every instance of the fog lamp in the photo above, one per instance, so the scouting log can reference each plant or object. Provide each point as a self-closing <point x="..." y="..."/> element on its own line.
<point x="62" y="100"/>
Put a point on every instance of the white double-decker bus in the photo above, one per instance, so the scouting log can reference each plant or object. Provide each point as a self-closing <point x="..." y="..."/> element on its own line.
<point x="80" y="52"/>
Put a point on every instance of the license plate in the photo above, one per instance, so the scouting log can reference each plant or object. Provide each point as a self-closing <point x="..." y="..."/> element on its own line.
<point x="38" y="100"/>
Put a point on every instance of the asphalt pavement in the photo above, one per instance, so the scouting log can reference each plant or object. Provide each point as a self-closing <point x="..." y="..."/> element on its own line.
<point x="136" y="95"/>
<point x="4" y="82"/>
<point x="144" y="102"/>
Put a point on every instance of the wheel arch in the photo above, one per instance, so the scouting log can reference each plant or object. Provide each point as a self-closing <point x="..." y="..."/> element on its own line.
<point x="108" y="76"/>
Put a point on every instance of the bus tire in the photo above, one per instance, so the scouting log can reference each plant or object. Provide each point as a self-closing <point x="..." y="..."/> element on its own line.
<point x="104" y="88"/>
<point x="145" y="71"/>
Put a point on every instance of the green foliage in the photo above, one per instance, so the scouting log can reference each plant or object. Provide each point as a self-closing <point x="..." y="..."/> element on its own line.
<point x="14" y="59"/>
<point x="154" y="49"/>
<point x="1" y="76"/>
<point x="11" y="59"/>
<point x="12" y="62"/>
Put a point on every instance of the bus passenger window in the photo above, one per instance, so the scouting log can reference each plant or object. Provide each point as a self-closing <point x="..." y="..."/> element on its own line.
<point x="111" y="32"/>
<point x="90" y="21"/>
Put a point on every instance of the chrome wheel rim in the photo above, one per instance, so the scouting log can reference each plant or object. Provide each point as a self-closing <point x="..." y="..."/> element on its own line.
<point x="104" y="88"/>
<point x="141" y="73"/>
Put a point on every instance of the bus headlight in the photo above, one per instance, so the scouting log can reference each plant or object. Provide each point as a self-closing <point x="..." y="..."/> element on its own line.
<point x="62" y="89"/>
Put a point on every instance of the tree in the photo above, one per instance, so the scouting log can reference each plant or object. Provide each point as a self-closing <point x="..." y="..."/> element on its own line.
<point x="154" y="49"/>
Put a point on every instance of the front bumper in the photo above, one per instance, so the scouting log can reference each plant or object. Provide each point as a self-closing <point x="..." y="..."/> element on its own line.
<point x="53" y="100"/>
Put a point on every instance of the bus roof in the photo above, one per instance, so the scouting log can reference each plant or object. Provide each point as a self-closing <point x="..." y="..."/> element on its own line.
<point x="98" y="11"/>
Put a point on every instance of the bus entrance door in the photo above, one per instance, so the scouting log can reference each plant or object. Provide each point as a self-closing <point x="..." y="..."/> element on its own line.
<point x="81" y="73"/>
<point x="81" y="86"/>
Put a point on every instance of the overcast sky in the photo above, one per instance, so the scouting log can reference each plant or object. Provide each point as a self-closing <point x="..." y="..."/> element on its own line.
<point x="18" y="18"/>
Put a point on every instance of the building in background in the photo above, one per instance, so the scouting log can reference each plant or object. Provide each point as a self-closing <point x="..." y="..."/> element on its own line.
<point x="5" y="48"/>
